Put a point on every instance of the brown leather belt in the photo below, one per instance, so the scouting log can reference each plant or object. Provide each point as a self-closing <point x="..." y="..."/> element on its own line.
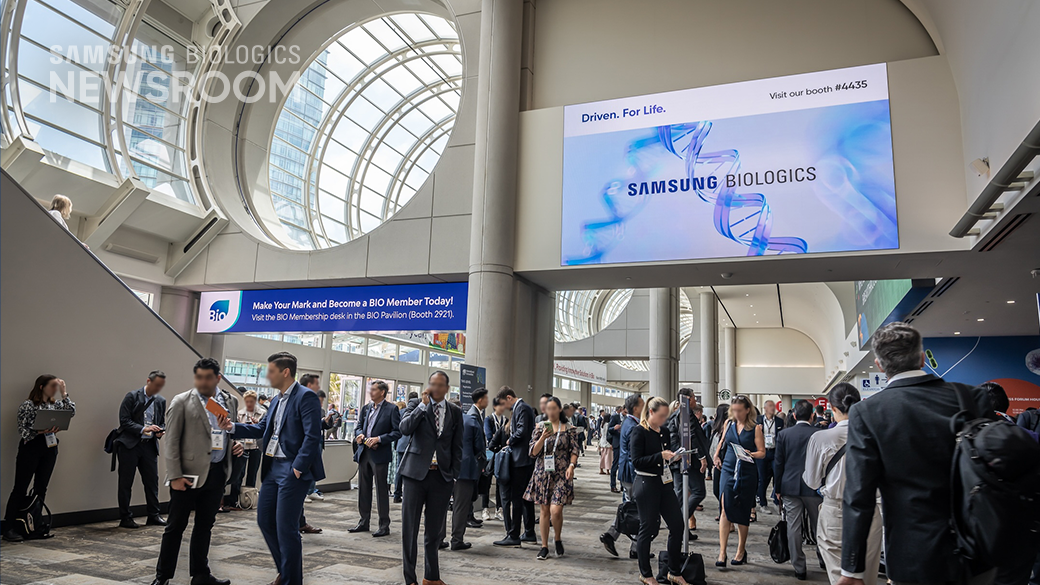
<point x="434" y="466"/>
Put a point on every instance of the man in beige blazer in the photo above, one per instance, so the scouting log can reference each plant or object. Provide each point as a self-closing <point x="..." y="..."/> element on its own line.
<point x="198" y="464"/>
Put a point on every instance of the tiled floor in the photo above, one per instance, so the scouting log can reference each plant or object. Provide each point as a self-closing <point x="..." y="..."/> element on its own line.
<point x="101" y="554"/>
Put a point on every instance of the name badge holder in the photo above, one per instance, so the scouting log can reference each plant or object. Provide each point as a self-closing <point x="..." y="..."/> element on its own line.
<point x="52" y="439"/>
<point x="666" y="477"/>
<point x="272" y="446"/>
<point x="217" y="436"/>
<point x="770" y="441"/>
<point x="549" y="457"/>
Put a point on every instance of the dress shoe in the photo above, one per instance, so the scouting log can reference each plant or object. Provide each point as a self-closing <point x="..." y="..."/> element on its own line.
<point x="443" y="545"/>
<point x="158" y="581"/>
<point x="381" y="532"/>
<point x="397" y="499"/>
<point x="209" y="579"/>
<point x="128" y="523"/>
<point x="432" y="582"/>
<point x="528" y="537"/>
<point x="308" y="529"/>
<point x="156" y="521"/>
<point x="277" y="580"/>
<point x="608" y="543"/>
<point x="462" y="546"/>
<point x="12" y="536"/>
<point x="800" y="576"/>
<point x="474" y="524"/>
<point x="361" y="527"/>
<point x="507" y="541"/>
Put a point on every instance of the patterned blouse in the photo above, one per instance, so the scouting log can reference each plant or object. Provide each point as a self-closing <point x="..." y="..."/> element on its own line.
<point x="562" y="445"/>
<point x="27" y="415"/>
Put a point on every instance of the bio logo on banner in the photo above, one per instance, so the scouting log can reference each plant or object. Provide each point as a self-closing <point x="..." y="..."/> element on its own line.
<point x="222" y="313"/>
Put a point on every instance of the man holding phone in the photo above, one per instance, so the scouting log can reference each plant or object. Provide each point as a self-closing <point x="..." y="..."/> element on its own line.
<point x="142" y="415"/>
<point x="198" y="464"/>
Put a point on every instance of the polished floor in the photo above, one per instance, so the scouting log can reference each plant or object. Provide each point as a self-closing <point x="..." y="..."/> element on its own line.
<point x="101" y="554"/>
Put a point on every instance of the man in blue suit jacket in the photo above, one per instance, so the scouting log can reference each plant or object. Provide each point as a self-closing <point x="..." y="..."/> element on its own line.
<point x="378" y="426"/>
<point x="291" y="433"/>
<point x="626" y="473"/>
<point x="474" y="457"/>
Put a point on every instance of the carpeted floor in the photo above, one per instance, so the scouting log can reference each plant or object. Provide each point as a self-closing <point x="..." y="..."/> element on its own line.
<point x="100" y="554"/>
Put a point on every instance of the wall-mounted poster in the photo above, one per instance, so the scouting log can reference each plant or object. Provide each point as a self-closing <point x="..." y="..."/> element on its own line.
<point x="788" y="165"/>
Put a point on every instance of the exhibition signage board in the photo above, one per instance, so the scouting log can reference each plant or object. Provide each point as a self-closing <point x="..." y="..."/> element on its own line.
<point x="470" y="378"/>
<point x="407" y="307"/>
<point x="787" y="165"/>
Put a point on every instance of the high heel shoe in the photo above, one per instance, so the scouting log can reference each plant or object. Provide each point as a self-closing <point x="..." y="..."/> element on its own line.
<point x="743" y="561"/>
<point x="677" y="579"/>
<point x="721" y="564"/>
<point x="647" y="580"/>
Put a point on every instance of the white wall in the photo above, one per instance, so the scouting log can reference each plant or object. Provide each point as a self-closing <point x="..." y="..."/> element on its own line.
<point x="777" y="361"/>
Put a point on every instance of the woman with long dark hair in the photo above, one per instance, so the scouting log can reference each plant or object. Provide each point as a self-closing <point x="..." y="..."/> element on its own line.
<point x="821" y="451"/>
<point x="721" y="414"/>
<point x="652" y="490"/>
<point x="37" y="450"/>
<point x="554" y="446"/>
<point x="739" y="481"/>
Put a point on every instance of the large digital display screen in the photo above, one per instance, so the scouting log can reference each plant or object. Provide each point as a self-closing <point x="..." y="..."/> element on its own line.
<point x="406" y="307"/>
<point x="788" y="165"/>
<point x="875" y="302"/>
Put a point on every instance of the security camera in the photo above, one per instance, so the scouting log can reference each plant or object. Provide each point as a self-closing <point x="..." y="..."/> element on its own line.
<point x="981" y="166"/>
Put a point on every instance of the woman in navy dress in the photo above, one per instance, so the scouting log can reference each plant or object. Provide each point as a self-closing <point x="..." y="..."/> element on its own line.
<point x="739" y="479"/>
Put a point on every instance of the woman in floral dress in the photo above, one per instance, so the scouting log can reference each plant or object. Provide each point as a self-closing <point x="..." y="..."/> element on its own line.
<point x="554" y="446"/>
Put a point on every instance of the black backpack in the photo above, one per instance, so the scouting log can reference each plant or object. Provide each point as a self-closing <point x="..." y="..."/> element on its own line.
<point x="34" y="520"/>
<point x="995" y="478"/>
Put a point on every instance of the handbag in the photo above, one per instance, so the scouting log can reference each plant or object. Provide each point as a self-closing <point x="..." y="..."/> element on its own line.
<point x="502" y="461"/>
<point x="692" y="568"/>
<point x="778" y="548"/>
<point x="247" y="498"/>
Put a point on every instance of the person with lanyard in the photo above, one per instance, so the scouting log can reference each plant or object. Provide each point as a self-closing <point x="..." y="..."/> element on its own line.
<point x="653" y="492"/>
<point x="771" y="426"/>
<point x="37" y="449"/>
<point x="291" y="432"/>
<point x="494" y="430"/>
<point x="430" y="467"/>
<point x="197" y="465"/>
<point x="825" y="467"/>
<point x="555" y="446"/>
<point x="626" y="474"/>
<point x="142" y="416"/>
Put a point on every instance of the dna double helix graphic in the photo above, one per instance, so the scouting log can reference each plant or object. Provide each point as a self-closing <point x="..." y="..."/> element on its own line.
<point x="744" y="218"/>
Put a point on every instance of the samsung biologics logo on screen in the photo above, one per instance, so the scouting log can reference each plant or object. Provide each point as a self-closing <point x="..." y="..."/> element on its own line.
<point x="711" y="182"/>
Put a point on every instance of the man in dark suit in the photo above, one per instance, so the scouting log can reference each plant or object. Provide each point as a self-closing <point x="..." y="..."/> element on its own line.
<point x="771" y="426"/>
<point x="378" y="426"/>
<point x="474" y="458"/>
<point x="518" y="511"/>
<point x="142" y="422"/>
<point x="430" y="466"/>
<point x="900" y="442"/>
<point x="613" y="431"/>
<point x="698" y="459"/>
<point x="291" y="433"/>
<point x="795" y="496"/>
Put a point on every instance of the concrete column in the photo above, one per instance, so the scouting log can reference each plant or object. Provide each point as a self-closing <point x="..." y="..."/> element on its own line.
<point x="709" y="326"/>
<point x="489" y="326"/>
<point x="664" y="342"/>
<point x="786" y="401"/>
<point x="728" y="359"/>
<point x="585" y="397"/>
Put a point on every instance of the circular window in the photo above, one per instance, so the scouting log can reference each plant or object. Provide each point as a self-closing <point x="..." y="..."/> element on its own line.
<point x="363" y="128"/>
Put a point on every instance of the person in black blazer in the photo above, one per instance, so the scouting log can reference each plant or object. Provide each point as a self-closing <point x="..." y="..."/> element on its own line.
<point x="900" y="442"/>
<point x="378" y="426"/>
<point x="698" y="458"/>
<point x="795" y="496"/>
<point x="652" y="490"/>
<point x="516" y="509"/>
<point x="142" y="422"/>
<point x="613" y="430"/>
<point x="430" y="467"/>
<point x="772" y="424"/>
<point x="474" y="458"/>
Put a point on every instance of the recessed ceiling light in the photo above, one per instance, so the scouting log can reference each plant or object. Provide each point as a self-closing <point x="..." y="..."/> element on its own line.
<point x="751" y="305"/>
<point x="747" y="294"/>
<point x="1011" y="302"/>
<point x="956" y="332"/>
<point x="980" y="319"/>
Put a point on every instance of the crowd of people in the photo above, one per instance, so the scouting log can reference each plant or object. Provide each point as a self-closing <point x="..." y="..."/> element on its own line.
<point x="867" y="477"/>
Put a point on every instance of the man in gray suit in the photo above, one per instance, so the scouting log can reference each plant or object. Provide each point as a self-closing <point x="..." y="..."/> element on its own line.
<point x="198" y="464"/>
<point x="429" y="469"/>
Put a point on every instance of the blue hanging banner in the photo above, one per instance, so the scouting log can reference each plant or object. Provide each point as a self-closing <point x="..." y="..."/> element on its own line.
<point x="406" y="307"/>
